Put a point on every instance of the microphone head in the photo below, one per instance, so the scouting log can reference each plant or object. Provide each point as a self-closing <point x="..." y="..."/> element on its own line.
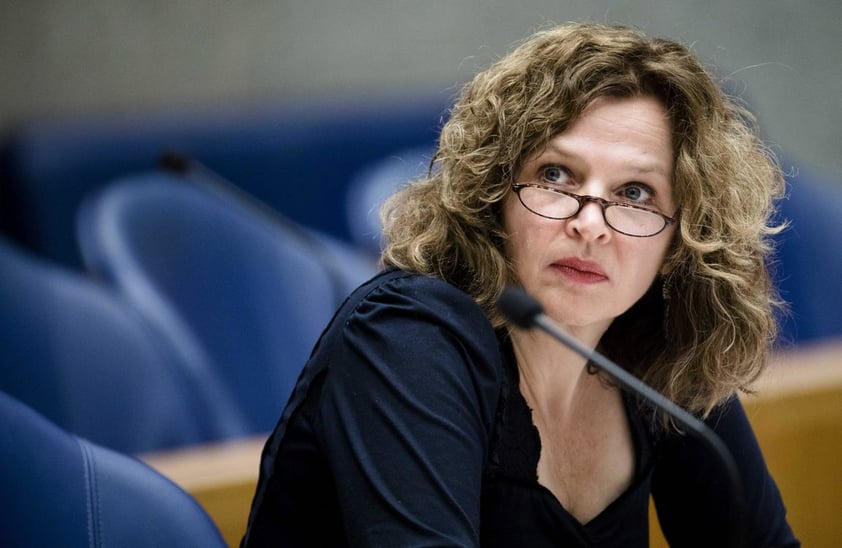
<point x="519" y="307"/>
<point x="175" y="161"/>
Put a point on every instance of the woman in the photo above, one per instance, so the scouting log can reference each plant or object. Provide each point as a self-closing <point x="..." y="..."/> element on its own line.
<point x="606" y="174"/>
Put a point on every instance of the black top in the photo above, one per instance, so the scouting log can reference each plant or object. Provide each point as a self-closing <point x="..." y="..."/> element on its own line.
<point x="407" y="428"/>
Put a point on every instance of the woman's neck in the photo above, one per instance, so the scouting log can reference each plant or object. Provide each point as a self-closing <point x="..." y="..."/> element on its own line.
<point x="553" y="378"/>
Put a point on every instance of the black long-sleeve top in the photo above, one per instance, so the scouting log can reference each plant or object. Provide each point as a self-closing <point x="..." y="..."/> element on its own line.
<point x="407" y="428"/>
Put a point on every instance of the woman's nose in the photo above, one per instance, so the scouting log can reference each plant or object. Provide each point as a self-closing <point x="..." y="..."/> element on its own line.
<point x="590" y="223"/>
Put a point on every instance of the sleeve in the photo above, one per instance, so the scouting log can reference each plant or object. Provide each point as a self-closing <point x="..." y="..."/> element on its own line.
<point x="692" y="495"/>
<point x="407" y="412"/>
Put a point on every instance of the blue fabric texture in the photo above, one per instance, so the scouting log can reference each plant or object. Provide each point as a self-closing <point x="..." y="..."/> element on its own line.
<point x="62" y="490"/>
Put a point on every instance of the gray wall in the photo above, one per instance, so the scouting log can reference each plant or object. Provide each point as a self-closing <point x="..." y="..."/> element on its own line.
<point x="62" y="58"/>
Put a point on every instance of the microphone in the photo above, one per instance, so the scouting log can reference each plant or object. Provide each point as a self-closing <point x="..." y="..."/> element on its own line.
<point x="524" y="311"/>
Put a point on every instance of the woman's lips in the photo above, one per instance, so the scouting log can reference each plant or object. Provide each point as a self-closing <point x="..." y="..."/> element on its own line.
<point x="580" y="271"/>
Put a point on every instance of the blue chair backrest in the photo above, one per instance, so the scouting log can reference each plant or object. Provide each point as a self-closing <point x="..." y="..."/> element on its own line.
<point x="373" y="184"/>
<point x="251" y="294"/>
<point x="808" y="268"/>
<point x="84" y="357"/>
<point x="62" y="490"/>
<point x="297" y="158"/>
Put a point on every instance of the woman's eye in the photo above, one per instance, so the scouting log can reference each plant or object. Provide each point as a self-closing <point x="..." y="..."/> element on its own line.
<point x="554" y="174"/>
<point x="638" y="193"/>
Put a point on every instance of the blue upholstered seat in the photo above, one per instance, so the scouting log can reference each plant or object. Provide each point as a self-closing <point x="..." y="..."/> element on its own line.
<point x="296" y="157"/>
<point x="370" y="186"/>
<point x="808" y="268"/>
<point x="84" y="357"/>
<point x="242" y="291"/>
<point x="62" y="490"/>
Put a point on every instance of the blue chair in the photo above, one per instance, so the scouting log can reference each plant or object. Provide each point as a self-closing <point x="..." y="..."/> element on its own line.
<point x="808" y="267"/>
<point x="249" y="293"/>
<point x="62" y="490"/>
<point x="85" y="358"/>
<point x="294" y="156"/>
<point x="372" y="184"/>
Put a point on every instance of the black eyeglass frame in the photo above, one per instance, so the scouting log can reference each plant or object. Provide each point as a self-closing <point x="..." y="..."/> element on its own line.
<point x="582" y="199"/>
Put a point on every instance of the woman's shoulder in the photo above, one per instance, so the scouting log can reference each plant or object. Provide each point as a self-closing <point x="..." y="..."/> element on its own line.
<point x="414" y="335"/>
<point x="414" y="315"/>
<point x="408" y="282"/>
<point x="396" y="292"/>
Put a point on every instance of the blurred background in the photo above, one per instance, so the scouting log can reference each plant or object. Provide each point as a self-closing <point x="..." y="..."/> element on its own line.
<point x="63" y="59"/>
<point x="153" y="308"/>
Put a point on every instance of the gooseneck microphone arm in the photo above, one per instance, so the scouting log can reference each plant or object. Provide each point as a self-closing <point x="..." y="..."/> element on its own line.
<point x="525" y="312"/>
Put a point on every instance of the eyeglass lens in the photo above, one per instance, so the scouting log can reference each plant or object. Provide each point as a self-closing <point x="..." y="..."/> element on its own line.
<point x="555" y="205"/>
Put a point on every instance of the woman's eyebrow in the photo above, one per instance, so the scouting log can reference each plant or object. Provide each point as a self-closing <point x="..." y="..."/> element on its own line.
<point x="643" y="166"/>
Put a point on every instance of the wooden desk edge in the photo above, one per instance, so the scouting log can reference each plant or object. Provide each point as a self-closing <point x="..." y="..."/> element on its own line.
<point x="211" y="465"/>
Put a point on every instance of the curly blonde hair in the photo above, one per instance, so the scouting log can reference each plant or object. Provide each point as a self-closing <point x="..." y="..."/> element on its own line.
<point x="702" y="331"/>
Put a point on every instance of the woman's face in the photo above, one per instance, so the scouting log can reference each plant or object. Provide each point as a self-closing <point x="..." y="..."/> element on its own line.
<point x="583" y="272"/>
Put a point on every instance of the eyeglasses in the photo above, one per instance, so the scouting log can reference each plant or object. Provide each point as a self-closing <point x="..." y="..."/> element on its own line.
<point x="553" y="203"/>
